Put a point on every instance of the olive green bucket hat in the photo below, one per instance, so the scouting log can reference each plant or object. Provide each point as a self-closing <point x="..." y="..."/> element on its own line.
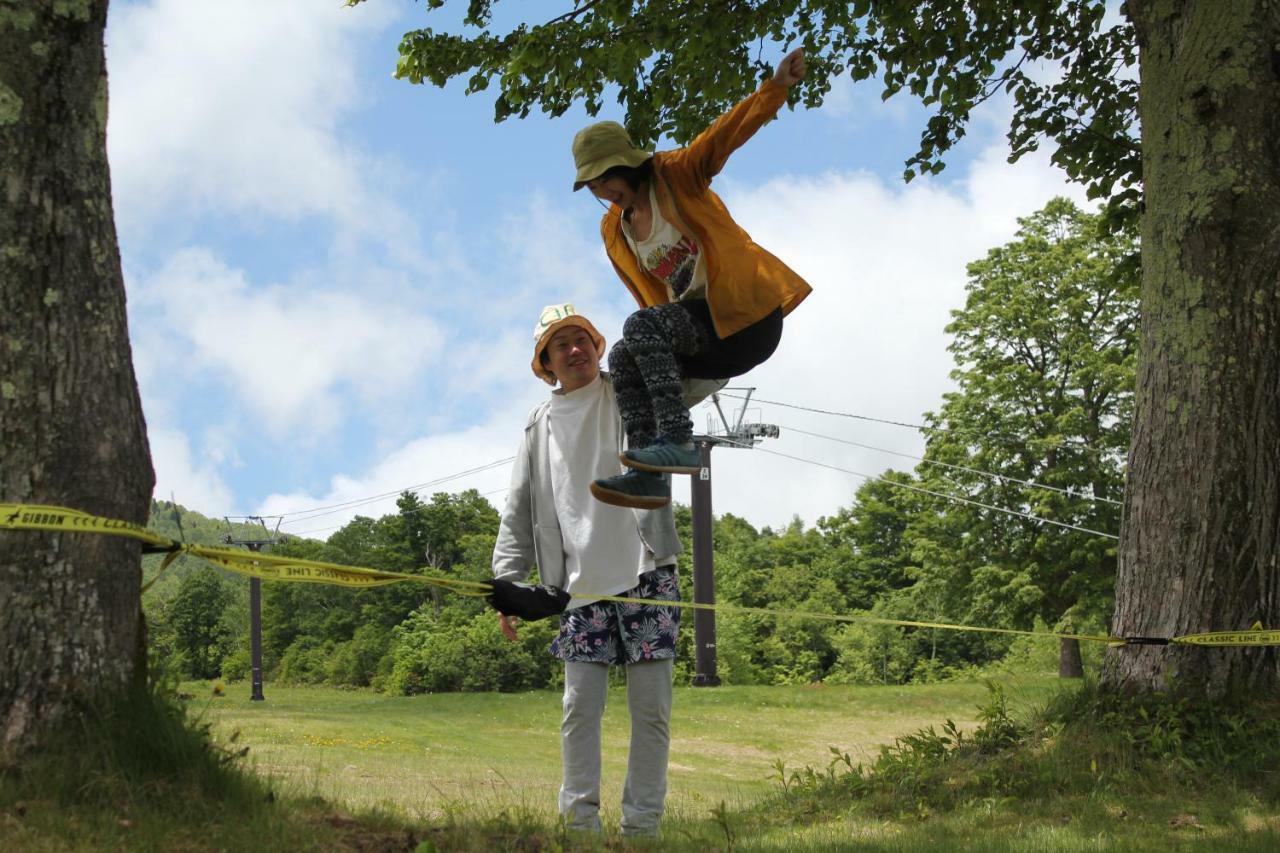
<point x="599" y="147"/>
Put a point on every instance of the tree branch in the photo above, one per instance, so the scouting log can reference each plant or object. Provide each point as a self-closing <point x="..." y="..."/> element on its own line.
<point x="570" y="15"/>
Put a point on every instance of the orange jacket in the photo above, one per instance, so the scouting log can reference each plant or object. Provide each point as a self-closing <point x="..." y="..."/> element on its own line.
<point x="745" y="283"/>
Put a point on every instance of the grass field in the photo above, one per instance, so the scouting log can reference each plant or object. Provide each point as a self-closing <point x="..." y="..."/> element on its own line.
<point x="355" y="770"/>
<point x="427" y="754"/>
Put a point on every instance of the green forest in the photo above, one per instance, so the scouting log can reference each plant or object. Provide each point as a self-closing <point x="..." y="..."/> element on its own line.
<point x="1009" y="520"/>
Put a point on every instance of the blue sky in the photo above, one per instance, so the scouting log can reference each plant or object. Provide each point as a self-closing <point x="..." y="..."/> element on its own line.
<point x="333" y="276"/>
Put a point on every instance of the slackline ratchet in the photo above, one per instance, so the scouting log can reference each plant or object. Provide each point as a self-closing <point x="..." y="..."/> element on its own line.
<point x="55" y="519"/>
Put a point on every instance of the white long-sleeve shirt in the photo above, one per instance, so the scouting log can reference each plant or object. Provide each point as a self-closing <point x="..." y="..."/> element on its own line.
<point x="604" y="554"/>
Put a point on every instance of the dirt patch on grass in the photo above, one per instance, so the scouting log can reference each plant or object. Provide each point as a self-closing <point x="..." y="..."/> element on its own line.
<point x="352" y="834"/>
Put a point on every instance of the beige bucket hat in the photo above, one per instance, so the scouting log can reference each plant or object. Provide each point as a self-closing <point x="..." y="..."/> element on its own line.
<point x="599" y="147"/>
<point x="552" y="319"/>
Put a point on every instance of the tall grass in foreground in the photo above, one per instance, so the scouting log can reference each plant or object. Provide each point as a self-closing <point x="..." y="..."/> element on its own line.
<point x="133" y="772"/>
<point x="1092" y="770"/>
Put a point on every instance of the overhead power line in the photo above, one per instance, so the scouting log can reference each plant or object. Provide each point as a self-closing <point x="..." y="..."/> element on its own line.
<point x="1000" y="477"/>
<point x="330" y="509"/>
<point x="1008" y="441"/>
<point x="935" y="494"/>
<point x="842" y="414"/>
<point x="300" y="515"/>
<point x="422" y="508"/>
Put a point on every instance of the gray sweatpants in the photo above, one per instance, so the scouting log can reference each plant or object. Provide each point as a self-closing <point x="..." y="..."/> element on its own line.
<point x="649" y="703"/>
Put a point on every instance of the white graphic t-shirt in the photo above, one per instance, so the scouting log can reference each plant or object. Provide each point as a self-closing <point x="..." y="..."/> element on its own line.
<point x="671" y="256"/>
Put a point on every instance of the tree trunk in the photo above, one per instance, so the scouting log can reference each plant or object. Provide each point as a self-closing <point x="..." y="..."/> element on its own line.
<point x="1198" y="547"/>
<point x="1070" y="664"/>
<point x="71" y="424"/>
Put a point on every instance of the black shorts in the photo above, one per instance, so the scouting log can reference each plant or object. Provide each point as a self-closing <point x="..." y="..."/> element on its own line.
<point x="723" y="358"/>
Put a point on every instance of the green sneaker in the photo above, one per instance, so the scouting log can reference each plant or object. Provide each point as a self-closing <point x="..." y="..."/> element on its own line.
<point x="665" y="457"/>
<point x="634" y="489"/>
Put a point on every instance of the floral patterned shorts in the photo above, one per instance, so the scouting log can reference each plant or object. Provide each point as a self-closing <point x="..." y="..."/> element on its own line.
<point x="617" y="633"/>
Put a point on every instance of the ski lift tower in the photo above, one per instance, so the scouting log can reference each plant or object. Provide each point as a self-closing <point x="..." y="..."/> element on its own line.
<point x="742" y="435"/>
<point x="255" y="594"/>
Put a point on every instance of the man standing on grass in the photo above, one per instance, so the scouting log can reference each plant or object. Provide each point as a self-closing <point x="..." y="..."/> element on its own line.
<point x="584" y="549"/>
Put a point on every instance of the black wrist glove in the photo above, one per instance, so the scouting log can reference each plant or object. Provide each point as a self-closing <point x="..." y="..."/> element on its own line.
<point x="528" y="601"/>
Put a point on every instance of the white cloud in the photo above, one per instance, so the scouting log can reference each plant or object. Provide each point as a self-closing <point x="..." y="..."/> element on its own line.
<point x="887" y="264"/>
<point x="234" y="106"/>
<point x="542" y="255"/>
<point x="858" y="105"/>
<point x="293" y="355"/>
<point x="194" y="483"/>
<point x="237" y="110"/>
<point x="421" y="461"/>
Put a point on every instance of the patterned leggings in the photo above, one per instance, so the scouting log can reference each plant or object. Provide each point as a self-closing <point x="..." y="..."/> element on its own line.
<point x="646" y="372"/>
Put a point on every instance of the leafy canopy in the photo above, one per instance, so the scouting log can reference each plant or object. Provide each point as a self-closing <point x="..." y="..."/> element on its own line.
<point x="1045" y="351"/>
<point x="677" y="64"/>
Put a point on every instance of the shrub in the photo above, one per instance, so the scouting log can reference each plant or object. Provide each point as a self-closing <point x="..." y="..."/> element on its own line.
<point x="305" y="662"/>
<point x="196" y="619"/>
<point x="735" y="647"/>
<point x="431" y="656"/>
<point x="237" y="665"/>
<point x="357" y="662"/>
<point x="871" y="654"/>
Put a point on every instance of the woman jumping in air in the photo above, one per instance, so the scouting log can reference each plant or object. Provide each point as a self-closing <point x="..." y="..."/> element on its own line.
<point x="712" y="301"/>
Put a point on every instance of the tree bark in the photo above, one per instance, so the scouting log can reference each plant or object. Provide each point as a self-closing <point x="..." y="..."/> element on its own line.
<point x="71" y="424"/>
<point x="1070" y="664"/>
<point x="1199" y="541"/>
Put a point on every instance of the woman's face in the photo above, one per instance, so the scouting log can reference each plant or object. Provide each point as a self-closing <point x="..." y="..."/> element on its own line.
<point x="614" y="190"/>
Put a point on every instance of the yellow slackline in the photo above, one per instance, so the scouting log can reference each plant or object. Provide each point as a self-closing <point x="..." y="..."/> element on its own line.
<point x="56" y="519"/>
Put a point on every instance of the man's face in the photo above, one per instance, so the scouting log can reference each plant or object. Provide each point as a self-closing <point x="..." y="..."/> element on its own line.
<point x="572" y="357"/>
